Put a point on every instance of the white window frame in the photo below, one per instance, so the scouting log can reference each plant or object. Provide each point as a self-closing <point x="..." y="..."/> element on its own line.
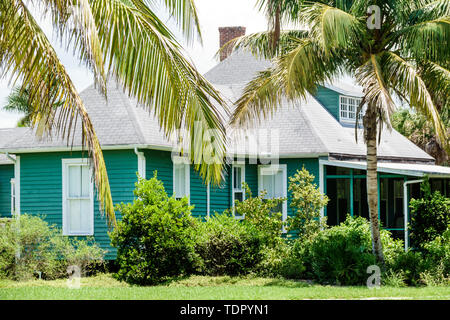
<point x="241" y="189"/>
<point x="13" y="196"/>
<point x="277" y="167"/>
<point x="341" y="109"/>
<point x="65" y="164"/>
<point x="182" y="161"/>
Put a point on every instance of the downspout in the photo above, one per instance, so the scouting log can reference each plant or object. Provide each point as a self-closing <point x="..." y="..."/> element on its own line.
<point x="141" y="162"/>
<point x="405" y="209"/>
<point x="208" y="200"/>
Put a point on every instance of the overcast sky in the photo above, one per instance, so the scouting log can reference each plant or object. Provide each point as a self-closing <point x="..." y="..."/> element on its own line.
<point x="212" y="14"/>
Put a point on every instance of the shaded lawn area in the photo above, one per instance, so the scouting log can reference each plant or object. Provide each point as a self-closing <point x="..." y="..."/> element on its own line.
<point x="203" y="288"/>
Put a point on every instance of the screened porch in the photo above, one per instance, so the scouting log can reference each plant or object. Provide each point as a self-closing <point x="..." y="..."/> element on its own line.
<point x="345" y="184"/>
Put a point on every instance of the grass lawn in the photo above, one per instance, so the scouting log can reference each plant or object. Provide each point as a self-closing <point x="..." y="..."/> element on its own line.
<point x="203" y="288"/>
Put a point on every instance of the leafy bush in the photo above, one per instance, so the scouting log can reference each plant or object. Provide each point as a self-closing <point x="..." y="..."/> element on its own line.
<point x="228" y="246"/>
<point x="155" y="238"/>
<point x="307" y="201"/>
<point x="29" y="247"/>
<point x="294" y="263"/>
<point x="438" y="251"/>
<point x="341" y="254"/>
<point x="260" y="213"/>
<point x="391" y="278"/>
<point x="429" y="216"/>
<point x="410" y="264"/>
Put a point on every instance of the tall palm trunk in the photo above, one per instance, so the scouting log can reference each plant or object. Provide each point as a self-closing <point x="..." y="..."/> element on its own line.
<point x="370" y="125"/>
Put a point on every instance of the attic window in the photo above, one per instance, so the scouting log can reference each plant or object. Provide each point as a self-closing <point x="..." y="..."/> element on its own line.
<point x="348" y="107"/>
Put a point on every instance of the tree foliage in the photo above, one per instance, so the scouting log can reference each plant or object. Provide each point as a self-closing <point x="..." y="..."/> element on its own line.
<point x="430" y="215"/>
<point x="263" y="213"/>
<point x="406" y="57"/>
<point x="307" y="202"/>
<point x="123" y="40"/>
<point x="156" y="236"/>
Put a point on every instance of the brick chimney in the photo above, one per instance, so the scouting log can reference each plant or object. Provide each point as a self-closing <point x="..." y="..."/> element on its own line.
<point x="227" y="34"/>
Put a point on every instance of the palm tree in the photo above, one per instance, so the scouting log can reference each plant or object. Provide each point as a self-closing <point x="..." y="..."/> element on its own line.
<point x="419" y="130"/>
<point x="123" y="39"/>
<point x="18" y="101"/>
<point x="406" y="57"/>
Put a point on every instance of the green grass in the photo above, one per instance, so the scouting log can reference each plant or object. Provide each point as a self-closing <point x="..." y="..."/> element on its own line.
<point x="203" y="288"/>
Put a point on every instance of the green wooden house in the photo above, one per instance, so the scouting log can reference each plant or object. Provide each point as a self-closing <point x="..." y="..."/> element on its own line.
<point x="50" y="178"/>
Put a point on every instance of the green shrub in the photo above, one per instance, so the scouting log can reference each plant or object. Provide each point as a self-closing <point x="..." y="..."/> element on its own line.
<point x="29" y="247"/>
<point x="429" y="216"/>
<point x="428" y="266"/>
<point x="260" y="212"/>
<point x="307" y="202"/>
<point x="155" y="238"/>
<point x="391" y="278"/>
<point x="294" y="263"/>
<point x="438" y="251"/>
<point x="411" y="265"/>
<point x="341" y="254"/>
<point x="228" y="246"/>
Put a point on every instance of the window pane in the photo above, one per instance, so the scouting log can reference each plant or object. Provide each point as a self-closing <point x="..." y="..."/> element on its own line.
<point x="74" y="215"/>
<point x="278" y="184"/>
<point x="268" y="185"/>
<point x="85" y="181"/>
<point x="180" y="180"/>
<point x="238" y="196"/>
<point x="237" y="178"/>
<point x="79" y="215"/>
<point x="74" y="181"/>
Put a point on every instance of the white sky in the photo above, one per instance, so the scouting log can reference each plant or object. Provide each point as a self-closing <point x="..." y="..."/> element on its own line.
<point x="212" y="15"/>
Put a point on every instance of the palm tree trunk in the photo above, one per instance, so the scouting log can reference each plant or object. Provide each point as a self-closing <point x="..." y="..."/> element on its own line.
<point x="370" y="124"/>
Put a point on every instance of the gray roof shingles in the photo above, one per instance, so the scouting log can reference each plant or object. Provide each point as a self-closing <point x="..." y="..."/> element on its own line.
<point x="304" y="127"/>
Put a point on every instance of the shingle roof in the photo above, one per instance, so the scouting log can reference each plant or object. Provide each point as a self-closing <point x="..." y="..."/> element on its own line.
<point x="303" y="127"/>
<point x="7" y="136"/>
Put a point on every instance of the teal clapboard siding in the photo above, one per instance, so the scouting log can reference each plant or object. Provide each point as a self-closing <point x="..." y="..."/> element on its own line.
<point x="220" y="196"/>
<point x="329" y="99"/>
<point x="41" y="187"/>
<point x="6" y="174"/>
<point x="41" y="184"/>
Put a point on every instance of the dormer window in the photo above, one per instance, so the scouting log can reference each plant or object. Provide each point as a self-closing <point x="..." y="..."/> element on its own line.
<point x="348" y="107"/>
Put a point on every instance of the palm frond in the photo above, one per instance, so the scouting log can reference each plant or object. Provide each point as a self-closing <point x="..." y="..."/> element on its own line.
<point x="259" y="43"/>
<point x="27" y="53"/>
<point x="406" y="78"/>
<point x="143" y="56"/>
<point x="427" y="40"/>
<point x="292" y="77"/>
<point x="184" y="12"/>
<point x="74" y="22"/>
<point x="332" y="27"/>
<point x="376" y="91"/>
